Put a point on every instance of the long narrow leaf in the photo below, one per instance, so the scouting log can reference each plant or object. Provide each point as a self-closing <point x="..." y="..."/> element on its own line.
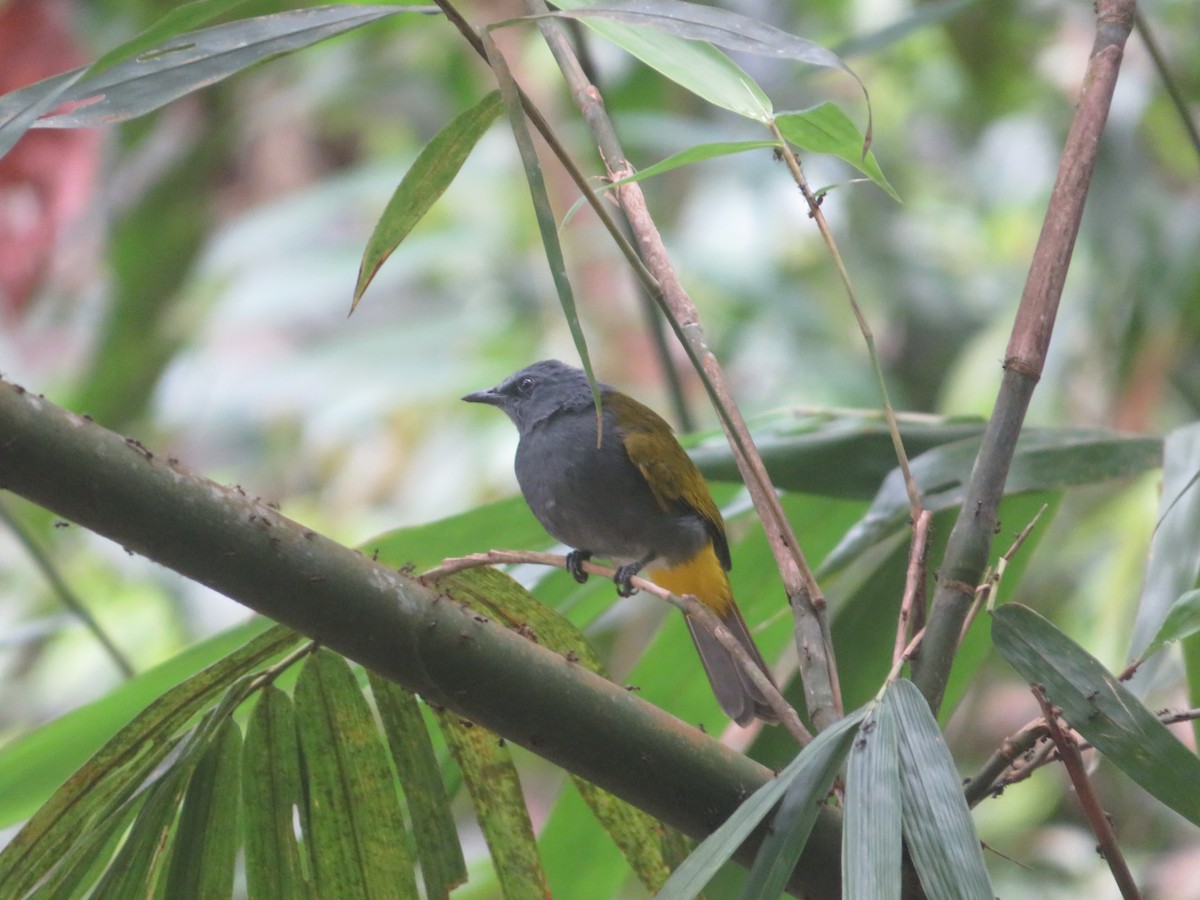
<point x="491" y="778"/>
<point x="543" y="212"/>
<point x="1099" y="707"/>
<point x="692" y="876"/>
<point x="438" y="849"/>
<point x="359" y="847"/>
<point x="938" y="828"/>
<point x="95" y="792"/>
<point x="793" y="822"/>
<point x="871" y="827"/>
<point x="427" y="179"/>
<point x="271" y="794"/>
<point x="21" y="108"/>
<point x="34" y="765"/>
<point x="1174" y="564"/>
<point x="1045" y="459"/>
<point x="189" y="62"/>
<point x="643" y="840"/>
<point x="206" y="843"/>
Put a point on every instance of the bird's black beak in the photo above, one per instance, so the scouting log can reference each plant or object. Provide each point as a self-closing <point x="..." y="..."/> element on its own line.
<point x="491" y="396"/>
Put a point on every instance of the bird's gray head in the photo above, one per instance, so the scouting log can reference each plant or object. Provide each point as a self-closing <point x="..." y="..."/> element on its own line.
<point x="537" y="392"/>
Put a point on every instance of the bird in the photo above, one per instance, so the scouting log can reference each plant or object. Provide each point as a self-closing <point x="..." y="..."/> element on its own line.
<point x="621" y="487"/>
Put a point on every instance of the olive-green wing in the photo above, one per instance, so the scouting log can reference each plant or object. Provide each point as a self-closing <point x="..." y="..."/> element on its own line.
<point x="670" y="473"/>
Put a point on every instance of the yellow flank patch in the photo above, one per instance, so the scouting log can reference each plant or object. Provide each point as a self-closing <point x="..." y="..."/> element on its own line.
<point x="701" y="576"/>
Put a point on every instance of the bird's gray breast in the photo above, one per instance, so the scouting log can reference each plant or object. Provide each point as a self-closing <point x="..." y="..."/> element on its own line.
<point x="594" y="498"/>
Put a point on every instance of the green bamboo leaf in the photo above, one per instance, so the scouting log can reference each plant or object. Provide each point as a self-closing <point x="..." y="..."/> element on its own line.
<point x="189" y="62"/>
<point x="833" y="454"/>
<point x="1182" y="621"/>
<point x="438" y="849"/>
<point x="827" y="129"/>
<point x="93" y="797"/>
<point x="271" y="792"/>
<point x="426" y="180"/>
<point x="87" y="858"/>
<point x="137" y="864"/>
<point x="640" y="837"/>
<point x="491" y="778"/>
<point x="543" y="212"/>
<point x="792" y="823"/>
<point x="143" y="857"/>
<point x="1174" y="566"/>
<point x="872" y="849"/>
<point x="174" y="22"/>
<point x="692" y="876"/>
<point x="357" y="843"/>
<point x="207" y="835"/>
<point x="19" y="109"/>
<point x="938" y="829"/>
<point x="698" y="153"/>
<point x="699" y="67"/>
<point x="1045" y="459"/>
<point x="1095" y="703"/>
<point x="35" y="764"/>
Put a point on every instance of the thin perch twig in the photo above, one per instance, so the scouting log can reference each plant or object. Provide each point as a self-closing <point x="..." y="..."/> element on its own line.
<point x="687" y="604"/>
<point x="1097" y="818"/>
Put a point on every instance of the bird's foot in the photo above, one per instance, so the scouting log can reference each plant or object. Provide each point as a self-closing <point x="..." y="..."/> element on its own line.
<point x="623" y="576"/>
<point x="575" y="561"/>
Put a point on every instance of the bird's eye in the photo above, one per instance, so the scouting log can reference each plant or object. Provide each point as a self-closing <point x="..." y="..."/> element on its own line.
<point x="525" y="385"/>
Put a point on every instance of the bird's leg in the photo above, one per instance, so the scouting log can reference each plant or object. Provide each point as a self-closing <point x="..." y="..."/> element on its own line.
<point x="627" y="571"/>
<point x="575" y="561"/>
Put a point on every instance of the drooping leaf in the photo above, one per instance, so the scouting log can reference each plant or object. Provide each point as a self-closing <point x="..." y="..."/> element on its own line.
<point x="938" y="829"/>
<point x="1174" y="565"/>
<point x="692" y="876"/>
<point x="793" y="821"/>
<point x="208" y="833"/>
<point x="93" y="798"/>
<point x="491" y="778"/>
<point x="435" y="835"/>
<point x="19" y="109"/>
<point x="1095" y="703"/>
<point x="34" y="765"/>
<point x="543" y="212"/>
<point x="871" y="827"/>
<point x="271" y="795"/>
<point x="641" y="838"/>
<point x="359" y="847"/>
<point x="426" y="179"/>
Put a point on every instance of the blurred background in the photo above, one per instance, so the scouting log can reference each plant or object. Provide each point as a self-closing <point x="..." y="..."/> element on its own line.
<point x="185" y="278"/>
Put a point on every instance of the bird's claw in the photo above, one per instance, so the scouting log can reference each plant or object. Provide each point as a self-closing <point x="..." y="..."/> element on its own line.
<point x="575" y="561"/>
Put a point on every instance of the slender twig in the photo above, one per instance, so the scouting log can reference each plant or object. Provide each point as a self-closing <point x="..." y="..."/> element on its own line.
<point x="66" y="596"/>
<point x="1016" y="759"/>
<point x="912" y="605"/>
<point x="818" y="216"/>
<point x="987" y="780"/>
<point x="1097" y="818"/>
<point x="686" y="603"/>
<point x="1178" y="100"/>
<point x="970" y="540"/>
